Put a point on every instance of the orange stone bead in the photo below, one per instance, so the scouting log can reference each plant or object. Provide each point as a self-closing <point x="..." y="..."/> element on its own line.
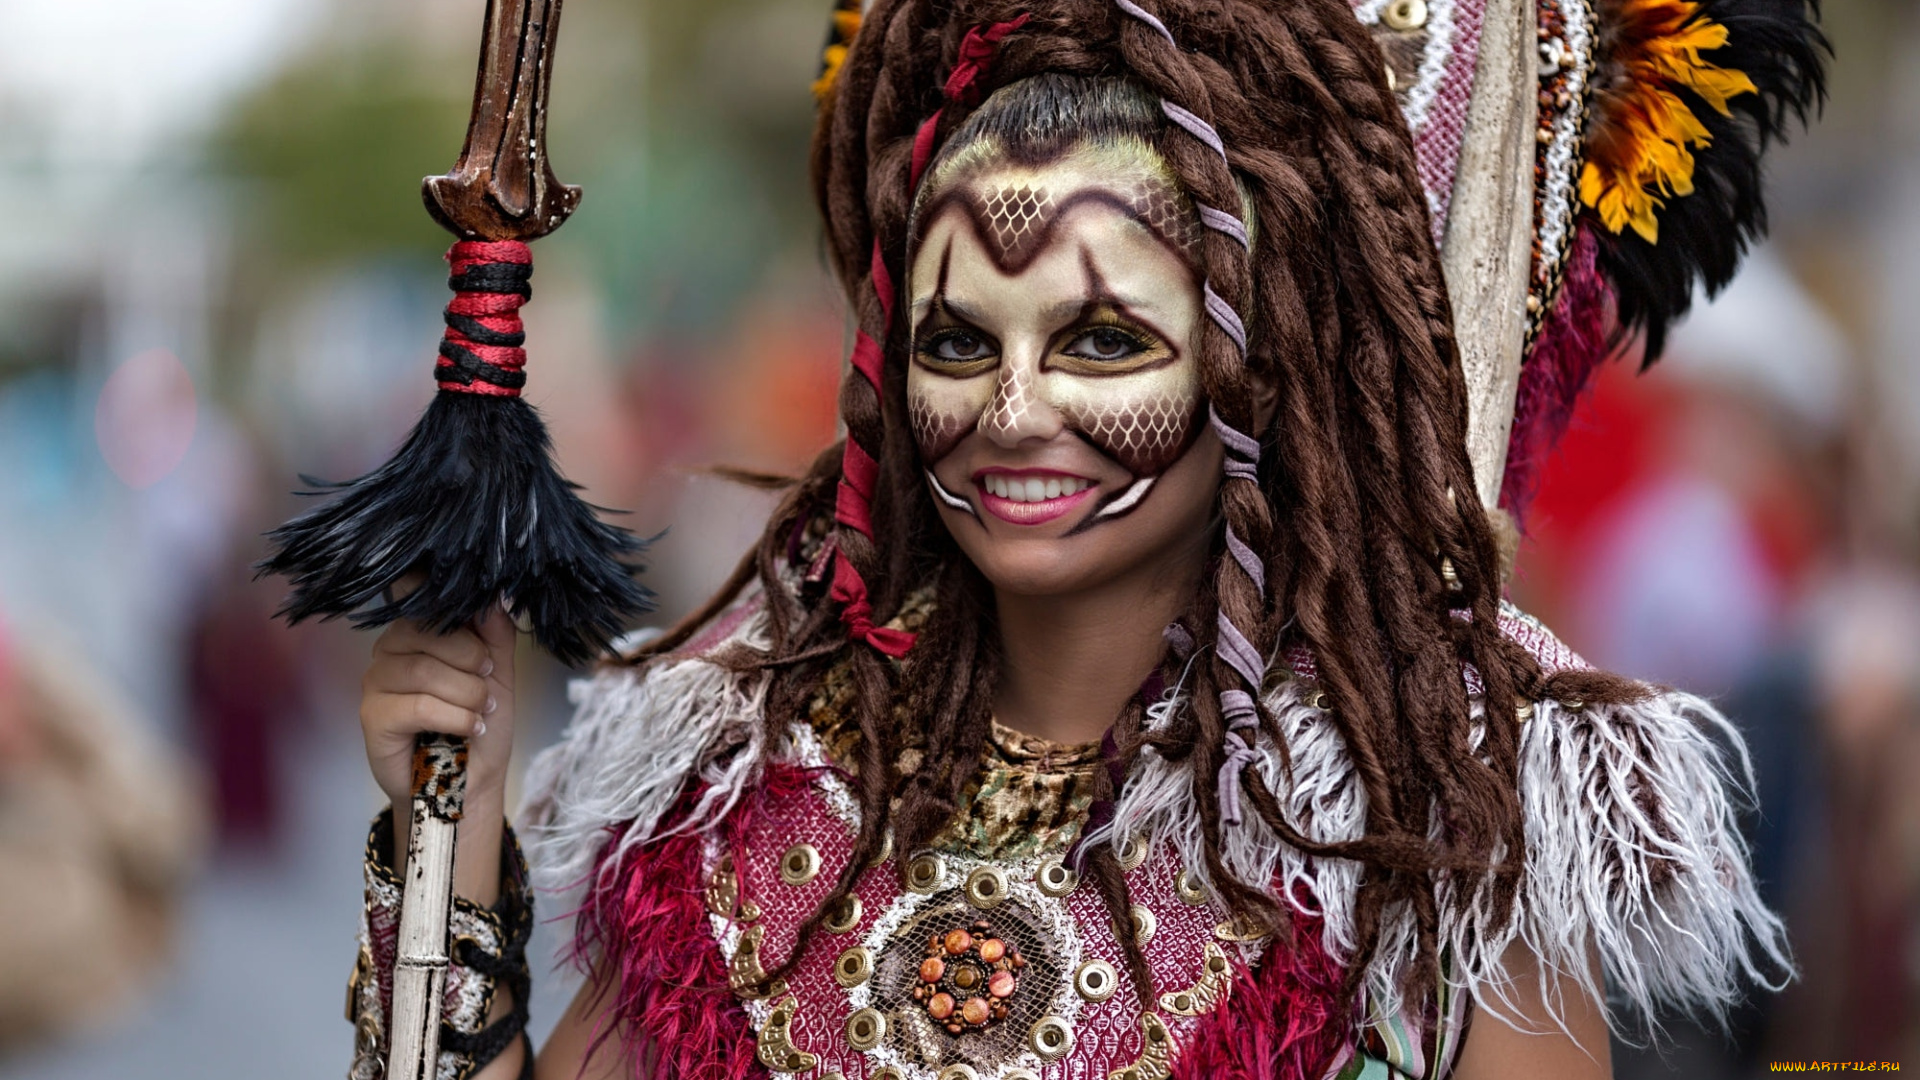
<point x="975" y="1011"/>
<point x="932" y="968"/>
<point x="1001" y="984"/>
<point x="992" y="949"/>
<point x="940" y="1006"/>
<point x="958" y="941"/>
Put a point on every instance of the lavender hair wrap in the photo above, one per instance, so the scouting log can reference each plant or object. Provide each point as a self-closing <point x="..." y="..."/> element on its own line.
<point x="1240" y="707"/>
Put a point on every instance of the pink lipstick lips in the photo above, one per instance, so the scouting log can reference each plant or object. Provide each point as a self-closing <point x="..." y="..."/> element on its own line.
<point x="1030" y="496"/>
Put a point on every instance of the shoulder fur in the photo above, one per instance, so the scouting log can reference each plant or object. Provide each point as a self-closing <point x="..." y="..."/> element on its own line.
<point x="640" y="737"/>
<point x="1633" y="849"/>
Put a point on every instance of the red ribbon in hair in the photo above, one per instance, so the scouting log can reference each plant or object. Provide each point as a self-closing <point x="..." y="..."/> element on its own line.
<point x="853" y="501"/>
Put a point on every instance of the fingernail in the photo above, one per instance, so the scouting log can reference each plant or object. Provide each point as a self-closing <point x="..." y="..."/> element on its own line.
<point x="479" y="728"/>
<point x="486" y="667"/>
<point x="491" y="705"/>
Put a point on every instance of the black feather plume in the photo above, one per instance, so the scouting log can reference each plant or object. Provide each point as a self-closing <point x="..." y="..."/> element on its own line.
<point x="473" y="503"/>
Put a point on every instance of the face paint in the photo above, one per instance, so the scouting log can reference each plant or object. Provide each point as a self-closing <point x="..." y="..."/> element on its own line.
<point x="1058" y="297"/>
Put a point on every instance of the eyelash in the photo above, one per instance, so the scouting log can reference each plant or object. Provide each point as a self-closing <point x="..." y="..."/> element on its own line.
<point x="929" y="346"/>
<point x="1137" y="342"/>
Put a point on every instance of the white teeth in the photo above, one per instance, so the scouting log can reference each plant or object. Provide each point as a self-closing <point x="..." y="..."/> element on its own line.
<point x="1033" y="489"/>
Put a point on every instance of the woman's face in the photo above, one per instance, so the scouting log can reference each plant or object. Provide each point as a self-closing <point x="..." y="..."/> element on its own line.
<point x="1053" y="389"/>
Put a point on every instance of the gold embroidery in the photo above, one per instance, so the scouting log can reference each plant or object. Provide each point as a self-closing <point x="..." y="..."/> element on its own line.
<point x="1207" y="992"/>
<point x="745" y="975"/>
<point x="775" y="1047"/>
<point x="1156" y="1053"/>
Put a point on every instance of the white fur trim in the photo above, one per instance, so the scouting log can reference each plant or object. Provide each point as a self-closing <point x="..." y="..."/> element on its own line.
<point x="637" y="736"/>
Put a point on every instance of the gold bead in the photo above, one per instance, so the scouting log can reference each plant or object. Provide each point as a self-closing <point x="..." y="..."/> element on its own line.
<point x="1525" y="712"/>
<point x="1095" y="980"/>
<point x="926" y="872"/>
<point x="1573" y="704"/>
<point x="865" y="1029"/>
<point x="1393" y="81"/>
<point x="1405" y="14"/>
<point x="1050" y="1038"/>
<point x="1055" y="878"/>
<point x="800" y="864"/>
<point x="854" y="967"/>
<point x="986" y="887"/>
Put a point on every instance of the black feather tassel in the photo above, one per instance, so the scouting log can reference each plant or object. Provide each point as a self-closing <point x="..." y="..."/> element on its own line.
<point x="1703" y="236"/>
<point x="471" y="502"/>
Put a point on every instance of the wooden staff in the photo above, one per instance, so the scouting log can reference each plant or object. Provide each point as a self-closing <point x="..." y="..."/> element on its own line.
<point x="502" y="188"/>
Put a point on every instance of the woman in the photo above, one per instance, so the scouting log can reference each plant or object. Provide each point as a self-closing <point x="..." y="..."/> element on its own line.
<point x="1131" y="693"/>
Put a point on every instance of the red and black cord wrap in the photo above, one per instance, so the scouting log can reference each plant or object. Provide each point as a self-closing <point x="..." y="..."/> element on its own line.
<point x="482" y="351"/>
<point x="858" y="470"/>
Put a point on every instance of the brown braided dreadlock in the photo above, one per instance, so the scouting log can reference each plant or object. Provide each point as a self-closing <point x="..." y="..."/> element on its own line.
<point x="1330" y="295"/>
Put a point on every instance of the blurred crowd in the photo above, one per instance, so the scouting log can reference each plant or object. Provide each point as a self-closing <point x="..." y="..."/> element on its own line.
<point x="218" y="277"/>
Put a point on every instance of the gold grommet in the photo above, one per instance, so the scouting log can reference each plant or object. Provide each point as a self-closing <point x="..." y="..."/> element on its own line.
<point x="835" y="1076"/>
<point x="1019" y="1074"/>
<point x="800" y="864"/>
<point x="1187" y="886"/>
<point x="1132" y="852"/>
<point x="865" y="1029"/>
<point x="1051" y="1038"/>
<point x="1095" y="980"/>
<point x="885" y="1073"/>
<point x="926" y="872"/>
<point x="958" y="1071"/>
<point x="1055" y="878"/>
<point x="854" y="967"/>
<point x="1144" y="923"/>
<point x="886" y="849"/>
<point x="986" y="887"/>
<point x="843" y="916"/>
<point x="1405" y="14"/>
<point x="1525" y="712"/>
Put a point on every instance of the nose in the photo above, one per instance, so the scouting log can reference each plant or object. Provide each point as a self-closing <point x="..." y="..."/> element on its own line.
<point x="1017" y="412"/>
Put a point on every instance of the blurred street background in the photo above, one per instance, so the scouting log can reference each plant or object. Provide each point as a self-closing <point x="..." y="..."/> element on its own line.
<point x="216" y="275"/>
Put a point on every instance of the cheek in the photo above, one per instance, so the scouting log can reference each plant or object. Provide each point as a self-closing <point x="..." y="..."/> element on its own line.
<point x="1145" y="421"/>
<point x="942" y="410"/>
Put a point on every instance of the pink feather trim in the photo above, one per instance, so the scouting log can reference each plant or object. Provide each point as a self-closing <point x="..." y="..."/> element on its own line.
<point x="1283" y="1022"/>
<point x="646" y="924"/>
<point x="1572" y="345"/>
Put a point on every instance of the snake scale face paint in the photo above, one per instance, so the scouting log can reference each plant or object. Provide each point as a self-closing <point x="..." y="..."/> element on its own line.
<point x="1058" y="296"/>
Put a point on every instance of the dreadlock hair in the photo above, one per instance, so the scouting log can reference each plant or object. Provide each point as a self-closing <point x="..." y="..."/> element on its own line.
<point x="1273" y="112"/>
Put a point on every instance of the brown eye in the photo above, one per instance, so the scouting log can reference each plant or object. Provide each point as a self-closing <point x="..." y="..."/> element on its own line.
<point x="1106" y="343"/>
<point x="957" y="347"/>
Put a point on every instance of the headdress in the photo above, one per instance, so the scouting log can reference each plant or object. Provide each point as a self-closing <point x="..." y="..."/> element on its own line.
<point x="1588" y="164"/>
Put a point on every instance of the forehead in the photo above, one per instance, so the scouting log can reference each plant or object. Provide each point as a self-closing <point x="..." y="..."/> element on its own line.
<point x="1017" y="210"/>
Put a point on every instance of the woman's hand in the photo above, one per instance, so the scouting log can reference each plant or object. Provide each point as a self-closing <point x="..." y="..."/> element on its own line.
<point x="456" y="684"/>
